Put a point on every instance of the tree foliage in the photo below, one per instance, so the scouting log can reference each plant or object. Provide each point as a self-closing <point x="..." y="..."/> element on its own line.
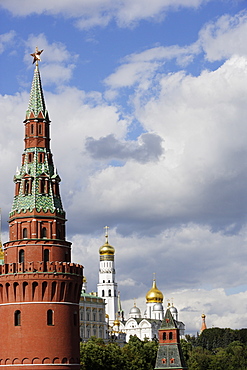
<point x="214" y="349"/>
<point x="217" y="349"/>
<point x="135" y="355"/>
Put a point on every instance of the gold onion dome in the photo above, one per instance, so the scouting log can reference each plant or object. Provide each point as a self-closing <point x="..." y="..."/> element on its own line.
<point x="116" y="322"/>
<point x="106" y="248"/>
<point x="154" y="295"/>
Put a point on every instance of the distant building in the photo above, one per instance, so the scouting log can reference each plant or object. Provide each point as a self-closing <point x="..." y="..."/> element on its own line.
<point x="93" y="321"/>
<point x="143" y="326"/>
<point x="147" y="326"/>
<point x="204" y="326"/>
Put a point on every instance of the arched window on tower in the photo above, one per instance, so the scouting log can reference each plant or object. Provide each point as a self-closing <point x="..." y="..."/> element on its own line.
<point x="21" y="255"/>
<point x="30" y="157"/>
<point x="103" y="293"/>
<point x="46" y="255"/>
<point x="24" y="233"/>
<point x="41" y="157"/>
<point x="109" y="292"/>
<point x="40" y="129"/>
<point x="170" y="336"/>
<point x="50" y="318"/>
<point x="43" y="232"/>
<point x="41" y="186"/>
<point x="17" y="318"/>
<point x="26" y="187"/>
<point x="17" y="187"/>
<point x="164" y="336"/>
<point x="31" y="129"/>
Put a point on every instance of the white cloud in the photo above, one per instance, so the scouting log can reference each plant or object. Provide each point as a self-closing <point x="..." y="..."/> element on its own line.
<point x="217" y="40"/>
<point x="225" y="37"/>
<point x="6" y="39"/>
<point x="140" y="68"/>
<point x="58" y="64"/>
<point x="100" y="12"/>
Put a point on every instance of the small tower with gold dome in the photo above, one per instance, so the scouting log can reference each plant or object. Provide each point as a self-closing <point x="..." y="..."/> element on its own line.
<point x="204" y="326"/>
<point x="154" y="300"/>
<point x="107" y="286"/>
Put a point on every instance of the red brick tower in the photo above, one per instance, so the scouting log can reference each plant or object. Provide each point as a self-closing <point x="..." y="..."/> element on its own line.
<point x="39" y="286"/>
<point x="169" y="355"/>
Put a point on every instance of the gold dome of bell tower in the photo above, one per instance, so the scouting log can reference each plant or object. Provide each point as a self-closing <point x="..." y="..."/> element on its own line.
<point x="106" y="249"/>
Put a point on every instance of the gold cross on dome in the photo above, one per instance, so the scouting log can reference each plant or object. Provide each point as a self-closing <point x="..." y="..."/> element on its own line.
<point x="36" y="55"/>
<point x="106" y="232"/>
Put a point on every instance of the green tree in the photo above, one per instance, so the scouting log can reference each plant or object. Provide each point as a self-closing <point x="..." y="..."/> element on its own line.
<point x="199" y="359"/>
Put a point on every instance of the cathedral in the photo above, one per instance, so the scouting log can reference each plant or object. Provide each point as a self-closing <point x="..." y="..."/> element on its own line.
<point x="144" y="325"/>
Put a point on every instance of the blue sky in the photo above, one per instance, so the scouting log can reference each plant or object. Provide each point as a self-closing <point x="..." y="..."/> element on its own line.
<point x="148" y="109"/>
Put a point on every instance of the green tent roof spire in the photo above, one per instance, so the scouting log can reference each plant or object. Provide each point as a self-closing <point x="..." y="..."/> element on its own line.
<point x="36" y="106"/>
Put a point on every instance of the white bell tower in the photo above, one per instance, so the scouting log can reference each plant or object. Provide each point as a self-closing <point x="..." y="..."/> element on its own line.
<point x="107" y="287"/>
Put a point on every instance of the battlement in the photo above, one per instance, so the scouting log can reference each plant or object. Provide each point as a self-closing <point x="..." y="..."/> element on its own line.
<point x="36" y="267"/>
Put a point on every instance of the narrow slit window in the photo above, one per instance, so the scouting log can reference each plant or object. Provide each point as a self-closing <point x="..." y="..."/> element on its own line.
<point x="46" y="255"/>
<point x="50" y="318"/>
<point x="17" y="318"/>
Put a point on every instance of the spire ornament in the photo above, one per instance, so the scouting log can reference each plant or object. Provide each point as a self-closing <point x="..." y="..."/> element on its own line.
<point x="36" y="56"/>
<point x="106" y="233"/>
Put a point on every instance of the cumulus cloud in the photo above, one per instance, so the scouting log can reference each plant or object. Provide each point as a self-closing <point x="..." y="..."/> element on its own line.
<point x="99" y="13"/>
<point x="141" y="68"/>
<point x="225" y="37"/>
<point x="147" y="148"/>
<point x="6" y="39"/>
<point x="59" y="62"/>
<point x="217" y="40"/>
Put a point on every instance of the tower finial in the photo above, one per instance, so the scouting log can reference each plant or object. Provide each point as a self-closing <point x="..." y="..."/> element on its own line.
<point x="36" y="56"/>
<point x="154" y="276"/>
<point x="204" y="326"/>
<point x="106" y="233"/>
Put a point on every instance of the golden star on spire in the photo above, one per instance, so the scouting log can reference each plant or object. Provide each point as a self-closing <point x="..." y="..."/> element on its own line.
<point x="36" y="55"/>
